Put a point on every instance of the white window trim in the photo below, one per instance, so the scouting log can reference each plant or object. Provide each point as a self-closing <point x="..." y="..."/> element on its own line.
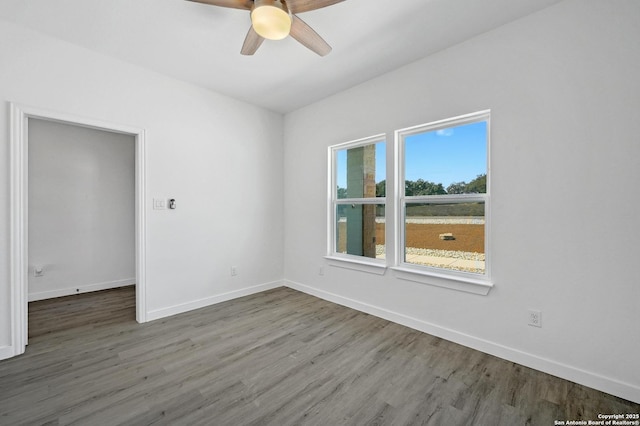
<point x="359" y="263"/>
<point x="348" y="262"/>
<point x="457" y="280"/>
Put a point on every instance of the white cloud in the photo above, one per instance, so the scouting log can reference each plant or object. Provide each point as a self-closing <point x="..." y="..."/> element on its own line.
<point x="444" y="132"/>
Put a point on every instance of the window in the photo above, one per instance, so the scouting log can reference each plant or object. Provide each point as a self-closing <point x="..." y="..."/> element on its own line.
<point x="358" y="200"/>
<point x="443" y="197"/>
<point x="437" y="231"/>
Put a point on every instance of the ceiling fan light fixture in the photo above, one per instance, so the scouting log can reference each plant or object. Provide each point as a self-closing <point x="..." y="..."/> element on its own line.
<point x="271" y="19"/>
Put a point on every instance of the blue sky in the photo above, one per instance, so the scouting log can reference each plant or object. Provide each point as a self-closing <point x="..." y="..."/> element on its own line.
<point x="446" y="156"/>
<point x="441" y="156"/>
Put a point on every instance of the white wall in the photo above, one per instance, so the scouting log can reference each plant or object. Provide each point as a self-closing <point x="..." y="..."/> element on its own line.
<point x="564" y="92"/>
<point x="221" y="159"/>
<point x="81" y="209"/>
<point x="563" y="88"/>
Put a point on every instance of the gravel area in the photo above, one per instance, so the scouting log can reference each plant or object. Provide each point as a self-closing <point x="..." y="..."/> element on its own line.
<point x="438" y="220"/>
<point x="446" y="254"/>
<point x="450" y="254"/>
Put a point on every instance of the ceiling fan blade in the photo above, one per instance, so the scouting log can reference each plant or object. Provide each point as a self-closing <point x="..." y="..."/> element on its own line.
<point x="251" y="42"/>
<point x="308" y="37"/>
<point x="235" y="4"/>
<point x="299" y="6"/>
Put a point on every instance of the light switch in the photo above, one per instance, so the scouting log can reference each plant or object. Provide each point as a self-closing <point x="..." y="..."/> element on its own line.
<point x="159" y="204"/>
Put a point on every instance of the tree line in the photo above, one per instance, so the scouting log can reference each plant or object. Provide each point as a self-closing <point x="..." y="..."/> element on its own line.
<point x="424" y="187"/>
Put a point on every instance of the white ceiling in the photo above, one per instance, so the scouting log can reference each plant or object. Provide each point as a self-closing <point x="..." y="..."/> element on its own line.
<point x="201" y="44"/>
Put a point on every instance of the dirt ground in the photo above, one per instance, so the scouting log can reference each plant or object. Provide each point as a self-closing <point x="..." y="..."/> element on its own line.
<point x="467" y="237"/>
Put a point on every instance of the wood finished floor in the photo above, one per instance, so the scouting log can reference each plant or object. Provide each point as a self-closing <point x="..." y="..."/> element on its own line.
<point x="279" y="357"/>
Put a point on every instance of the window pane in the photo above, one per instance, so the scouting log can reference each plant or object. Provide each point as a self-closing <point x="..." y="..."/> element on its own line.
<point x="360" y="230"/>
<point x="361" y="171"/>
<point x="452" y="160"/>
<point x="449" y="236"/>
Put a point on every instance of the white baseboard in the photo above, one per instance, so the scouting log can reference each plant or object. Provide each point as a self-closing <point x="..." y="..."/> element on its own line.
<point x="7" y="352"/>
<point x="593" y="380"/>
<point x="201" y="303"/>
<point x="80" y="289"/>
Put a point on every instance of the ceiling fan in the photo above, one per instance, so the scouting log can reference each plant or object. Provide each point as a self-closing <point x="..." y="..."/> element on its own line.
<point x="276" y="19"/>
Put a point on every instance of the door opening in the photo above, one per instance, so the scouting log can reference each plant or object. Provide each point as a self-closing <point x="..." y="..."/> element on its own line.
<point x="20" y="117"/>
<point x="80" y="209"/>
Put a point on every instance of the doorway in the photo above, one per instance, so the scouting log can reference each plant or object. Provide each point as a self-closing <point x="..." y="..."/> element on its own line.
<point x="81" y="193"/>
<point x="20" y="118"/>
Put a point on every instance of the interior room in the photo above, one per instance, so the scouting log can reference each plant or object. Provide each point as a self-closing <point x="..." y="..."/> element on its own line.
<point x="236" y="155"/>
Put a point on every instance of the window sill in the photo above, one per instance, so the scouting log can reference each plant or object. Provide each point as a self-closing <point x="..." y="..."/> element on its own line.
<point x="454" y="282"/>
<point x="357" y="265"/>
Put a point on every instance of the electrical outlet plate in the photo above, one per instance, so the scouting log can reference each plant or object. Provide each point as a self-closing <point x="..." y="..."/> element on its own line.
<point x="234" y="271"/>
<point x="535" y="318"/>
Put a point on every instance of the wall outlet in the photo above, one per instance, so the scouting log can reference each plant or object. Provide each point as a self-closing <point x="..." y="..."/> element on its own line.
<point x="234" y="271"/>
<point x="321" y="270"/>
<point x="38" y="271"/>
<point x="535" y="318"/>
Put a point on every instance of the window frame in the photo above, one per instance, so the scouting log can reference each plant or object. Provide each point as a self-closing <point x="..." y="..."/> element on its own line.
<point x="351" y="261"/>
<point x="467" y="281"/>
